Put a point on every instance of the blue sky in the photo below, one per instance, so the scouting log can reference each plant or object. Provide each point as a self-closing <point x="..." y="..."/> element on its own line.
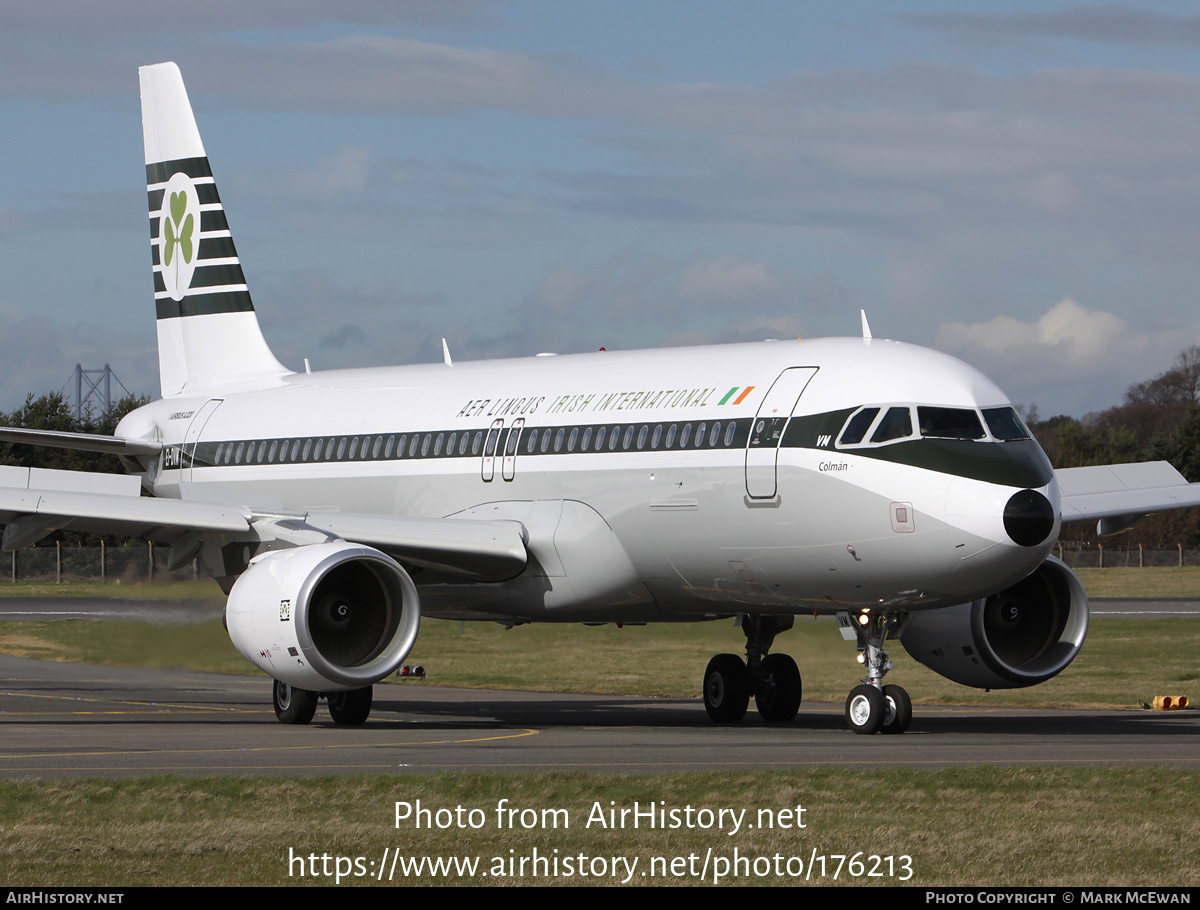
<point x="1015" y="183"/>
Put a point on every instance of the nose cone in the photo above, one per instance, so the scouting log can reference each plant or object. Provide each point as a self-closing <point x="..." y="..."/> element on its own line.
<point x="1028" y="518"/>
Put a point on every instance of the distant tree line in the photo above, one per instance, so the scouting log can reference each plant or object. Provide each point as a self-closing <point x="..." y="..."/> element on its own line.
<point x="53" y="412"/>
<point x="1159" y="420"/>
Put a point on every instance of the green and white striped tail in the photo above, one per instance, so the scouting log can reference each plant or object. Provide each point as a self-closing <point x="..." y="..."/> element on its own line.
<point x="209" y="339"/>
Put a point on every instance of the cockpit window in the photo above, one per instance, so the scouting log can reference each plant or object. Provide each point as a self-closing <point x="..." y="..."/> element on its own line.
<point x="857" y="428"/>
<point x="950" y="423"/>
<point x="1005" y="424"/>
<point x="896" y="424"/>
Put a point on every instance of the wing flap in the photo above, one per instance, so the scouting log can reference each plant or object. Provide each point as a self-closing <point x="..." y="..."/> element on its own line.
<point x="483" y="550"/>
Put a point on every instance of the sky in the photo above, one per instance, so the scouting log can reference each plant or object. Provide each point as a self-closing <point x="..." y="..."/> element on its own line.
<point x="1015" y="183"/>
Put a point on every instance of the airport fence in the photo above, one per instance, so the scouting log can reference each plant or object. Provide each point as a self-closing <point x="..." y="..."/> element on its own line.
<point x="1094" y="556"/>
<point x="127" y="564"/>
<point x="147" y="562"/>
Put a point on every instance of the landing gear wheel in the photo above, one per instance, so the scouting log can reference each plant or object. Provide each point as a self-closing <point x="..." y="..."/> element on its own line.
<point x="726" y="689"/>
<point x="897" y="710"/>
<point x="779" y="699"/>
<point x="350" y="708"/>
<point x="292" y="705"/>
<point x="865" y="708"/>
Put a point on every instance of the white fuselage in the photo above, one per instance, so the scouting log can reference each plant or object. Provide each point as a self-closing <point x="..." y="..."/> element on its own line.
<point x="693" y="510"/>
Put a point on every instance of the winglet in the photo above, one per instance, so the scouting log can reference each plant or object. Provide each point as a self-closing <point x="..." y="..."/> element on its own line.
<point x="866" y="328"/>
<point x="446" y="353"/>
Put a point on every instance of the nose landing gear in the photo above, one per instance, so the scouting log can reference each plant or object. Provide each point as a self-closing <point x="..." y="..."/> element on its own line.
<point x="873" y="707"/>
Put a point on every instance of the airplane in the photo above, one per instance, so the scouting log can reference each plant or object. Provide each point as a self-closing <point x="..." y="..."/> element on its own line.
<point x="883" y="483"/>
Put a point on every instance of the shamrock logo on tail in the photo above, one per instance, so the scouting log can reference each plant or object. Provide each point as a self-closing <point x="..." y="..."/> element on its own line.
<point x="178" y="234"/>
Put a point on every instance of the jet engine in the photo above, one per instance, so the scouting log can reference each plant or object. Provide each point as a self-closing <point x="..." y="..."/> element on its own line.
<point x="325" y="617"/>
<point x="1022" y="636"/>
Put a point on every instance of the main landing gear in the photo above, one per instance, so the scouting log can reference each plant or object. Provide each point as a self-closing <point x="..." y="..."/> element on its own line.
<point x="773" y="679"/>
<point x="874" y="707"/>
<point x="297" y="706"/>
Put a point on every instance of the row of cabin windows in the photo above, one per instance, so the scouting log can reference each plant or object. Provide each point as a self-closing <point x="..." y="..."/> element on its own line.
<point x="537" y="441"/>
<point x="601" y="439"/>
<point x="344" y="448"/>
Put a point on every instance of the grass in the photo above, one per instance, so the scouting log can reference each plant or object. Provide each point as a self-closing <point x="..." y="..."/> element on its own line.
<point x="961" y="826"/>
<point x="205" y="589"/>
<point x="1123" y="663"/>
<point x="965" y="826"/>
<point x="1132" y="583"/>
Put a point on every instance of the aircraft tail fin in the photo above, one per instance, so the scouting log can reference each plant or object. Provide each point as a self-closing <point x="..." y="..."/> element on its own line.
<point x="208" y="334"/>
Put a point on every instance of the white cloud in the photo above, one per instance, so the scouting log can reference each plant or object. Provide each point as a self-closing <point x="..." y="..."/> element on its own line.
<point x="1067" y="331"/>
<point x="1070" y="359"/>
<point x="725" y="278"/>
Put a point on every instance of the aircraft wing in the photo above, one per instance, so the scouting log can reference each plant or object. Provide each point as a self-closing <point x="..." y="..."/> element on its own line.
<point x="1119" y="495"/>
<point x="35" y="501"/>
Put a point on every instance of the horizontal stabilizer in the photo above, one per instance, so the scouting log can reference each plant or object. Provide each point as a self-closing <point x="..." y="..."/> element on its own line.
<point x="34" y="502"/>
<point x="84" y="442"/>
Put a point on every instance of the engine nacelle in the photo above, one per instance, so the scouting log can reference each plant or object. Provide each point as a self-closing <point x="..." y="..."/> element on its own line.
<point x="1023" y="636"/>
<point x="324" y="617"/>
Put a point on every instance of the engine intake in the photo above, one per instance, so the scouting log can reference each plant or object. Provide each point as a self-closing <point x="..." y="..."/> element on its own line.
<point x="1022" y="636"/>
<point x="324" y="617"/>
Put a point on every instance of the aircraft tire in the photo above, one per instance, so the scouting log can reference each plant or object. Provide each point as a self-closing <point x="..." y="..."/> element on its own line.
<point x="865" y="709"/>
<point x="292" y="705"/>
<point x="898" y="710"/>
<point x="726" y="689"/>
<point x="780" y="699"/>
<point x="350" y="708"/>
